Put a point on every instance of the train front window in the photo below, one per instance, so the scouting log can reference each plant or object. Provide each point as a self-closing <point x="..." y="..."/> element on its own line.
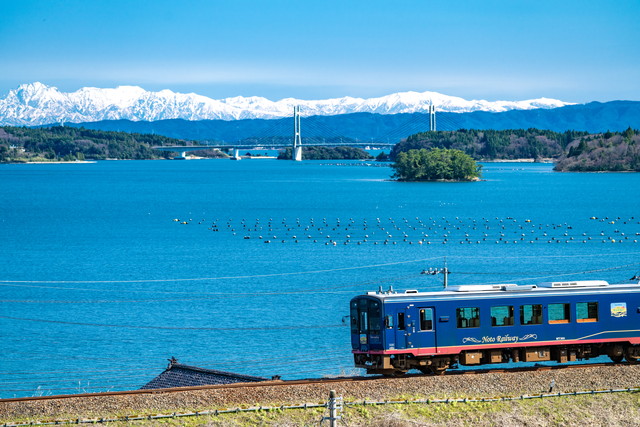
<point x="559" y="313"/>
<point x="502" y="315"/>
<point x="531" y="314"/>
<point x="426" y="319"/>
<point x="468" y="317"/>
<point x="367" y="315"/>
<point x="586" y="312"/>
<point x="364" y="322"/>
<point x="363" y="316"/>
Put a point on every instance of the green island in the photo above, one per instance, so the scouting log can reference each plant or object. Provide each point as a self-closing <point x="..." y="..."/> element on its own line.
<point x="436" y="164"/>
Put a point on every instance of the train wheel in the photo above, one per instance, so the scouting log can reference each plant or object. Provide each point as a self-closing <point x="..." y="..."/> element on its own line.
<point x="434" y="370"/>
<point x="632" y="354"/>
<point x="398" y="374"/>
<point x="617" y="359"/>
<point x="438" y="370"/>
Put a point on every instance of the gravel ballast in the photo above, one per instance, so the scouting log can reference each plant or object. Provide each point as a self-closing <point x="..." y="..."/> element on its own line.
<point x="495" y="384"/>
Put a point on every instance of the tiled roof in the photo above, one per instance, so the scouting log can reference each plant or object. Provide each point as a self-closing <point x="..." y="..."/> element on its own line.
<point x="178" y="375"/>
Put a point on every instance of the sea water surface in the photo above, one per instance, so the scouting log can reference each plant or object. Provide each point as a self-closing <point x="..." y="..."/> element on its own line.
<point x="108" y="269"/>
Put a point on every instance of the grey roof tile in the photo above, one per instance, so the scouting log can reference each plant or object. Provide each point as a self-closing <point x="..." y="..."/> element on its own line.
<point x="179" y="375"/>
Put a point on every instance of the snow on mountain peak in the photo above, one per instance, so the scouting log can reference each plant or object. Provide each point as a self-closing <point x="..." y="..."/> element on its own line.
<point x="35" y="104"/>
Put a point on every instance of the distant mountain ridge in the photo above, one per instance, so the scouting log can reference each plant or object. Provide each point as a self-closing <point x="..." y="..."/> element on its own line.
<point x="594" y="117"/>
<point x="36" y="104"/>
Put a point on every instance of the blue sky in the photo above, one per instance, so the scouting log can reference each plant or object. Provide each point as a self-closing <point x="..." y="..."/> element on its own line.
<point x="576" y="51"/>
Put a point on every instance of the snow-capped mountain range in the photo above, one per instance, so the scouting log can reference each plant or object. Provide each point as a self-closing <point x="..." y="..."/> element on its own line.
<point x="36" y="104"/>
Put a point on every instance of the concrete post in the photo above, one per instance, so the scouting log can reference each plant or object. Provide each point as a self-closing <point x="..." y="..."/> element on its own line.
<point x="296" y="152"/>
<point x="432" y="117"/>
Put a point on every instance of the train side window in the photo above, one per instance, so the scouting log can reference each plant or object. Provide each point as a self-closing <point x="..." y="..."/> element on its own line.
<point x="586" y="312"/>
<point x="401" y="321"/>
<point x="426" y="319"/>
<point x="468" y="317"/>
<point x="559" y="313"/>
<point x="531" y="314"/>
<point x="502" y="315"/>
<point x="388" y="321"/>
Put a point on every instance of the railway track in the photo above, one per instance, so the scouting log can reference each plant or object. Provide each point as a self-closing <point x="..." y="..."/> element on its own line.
<point x="310" y="381"/>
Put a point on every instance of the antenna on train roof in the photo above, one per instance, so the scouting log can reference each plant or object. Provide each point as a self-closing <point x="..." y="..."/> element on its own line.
<point x="636" y="277"/>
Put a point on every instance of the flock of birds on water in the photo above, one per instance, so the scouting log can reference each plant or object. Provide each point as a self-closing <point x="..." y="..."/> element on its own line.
<point x="418" y="231"/>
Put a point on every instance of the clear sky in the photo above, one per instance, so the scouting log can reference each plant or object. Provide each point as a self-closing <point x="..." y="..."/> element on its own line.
<point x="574" y="50"/>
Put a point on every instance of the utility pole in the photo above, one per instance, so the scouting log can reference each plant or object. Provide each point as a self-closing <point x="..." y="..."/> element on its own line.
<point x="444" y="271"/>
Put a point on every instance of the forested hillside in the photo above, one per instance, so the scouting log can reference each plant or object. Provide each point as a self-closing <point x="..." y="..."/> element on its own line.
<point x="493" y="144"/>
<point x="611" y="151"/>
<point x="573" y="151"/>
<point x="67" y="143"/>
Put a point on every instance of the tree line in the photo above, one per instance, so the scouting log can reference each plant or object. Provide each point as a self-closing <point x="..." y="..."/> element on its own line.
<point x="67" y="143"/>
<point x="571" y="150"/>
<point x="493" y="144"/>
<point x="327" y="153"/>
<point x="610" y="151"/>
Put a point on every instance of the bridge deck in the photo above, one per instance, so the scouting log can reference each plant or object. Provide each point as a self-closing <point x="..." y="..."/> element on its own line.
<point x="261" y="147"/>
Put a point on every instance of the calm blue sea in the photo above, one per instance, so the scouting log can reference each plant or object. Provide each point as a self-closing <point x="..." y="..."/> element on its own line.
<point x="101" y="282"/>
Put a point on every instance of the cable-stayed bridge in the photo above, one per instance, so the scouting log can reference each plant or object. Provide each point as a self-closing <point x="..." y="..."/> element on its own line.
<point x="321" y="131"/>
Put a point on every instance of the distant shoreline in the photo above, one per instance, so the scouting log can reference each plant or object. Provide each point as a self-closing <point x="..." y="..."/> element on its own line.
<point x="50" y="163"/>
<point x="546" y="160"/>
<point x="256" y="157"/>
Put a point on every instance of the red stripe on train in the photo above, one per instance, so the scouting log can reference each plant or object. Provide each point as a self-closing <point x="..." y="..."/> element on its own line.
<point x="457" y="349"/>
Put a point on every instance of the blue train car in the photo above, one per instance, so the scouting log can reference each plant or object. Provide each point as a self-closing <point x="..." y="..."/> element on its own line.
<point x="393" y="332"/>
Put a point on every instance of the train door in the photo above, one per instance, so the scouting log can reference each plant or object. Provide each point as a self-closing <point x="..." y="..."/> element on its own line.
<point x="403" y="331"/>
<point x="421" y="331"/>
<point x="390" y="331"/>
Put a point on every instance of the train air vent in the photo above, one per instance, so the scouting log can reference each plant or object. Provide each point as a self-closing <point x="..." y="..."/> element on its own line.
<point x="575" y="284"/>
<point x="411" y="291"/>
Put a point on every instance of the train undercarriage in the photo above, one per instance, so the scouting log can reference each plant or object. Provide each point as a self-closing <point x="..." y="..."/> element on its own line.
<point x="400" y="364"/>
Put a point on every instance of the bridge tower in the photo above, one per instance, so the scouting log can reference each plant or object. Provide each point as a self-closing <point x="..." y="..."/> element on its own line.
<point x="432" y="117"/>
<point x="297" y="140"/>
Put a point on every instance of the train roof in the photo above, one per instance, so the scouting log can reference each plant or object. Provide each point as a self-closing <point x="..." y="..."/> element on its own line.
<point x="590" y="287"/>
